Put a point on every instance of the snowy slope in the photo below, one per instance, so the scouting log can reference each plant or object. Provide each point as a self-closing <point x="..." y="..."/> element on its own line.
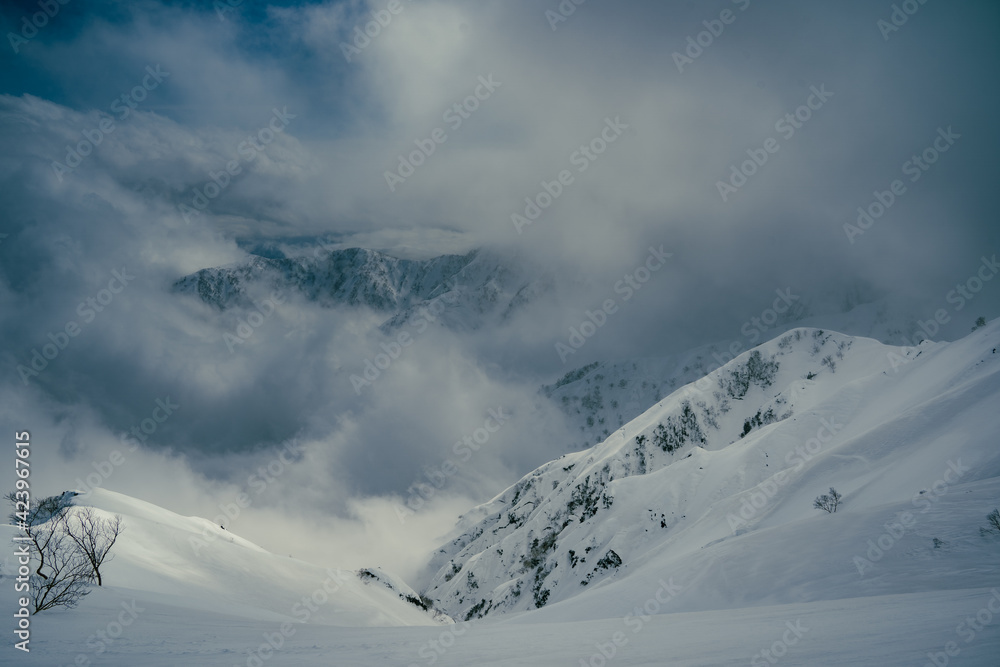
<point x="604" y="396"/>
<point x="192" y="564"/>
<point x="739" y="567"/>
<point x="629" y="623"/>
<point x="674" y="489"/>
<point x="888" y="631"/>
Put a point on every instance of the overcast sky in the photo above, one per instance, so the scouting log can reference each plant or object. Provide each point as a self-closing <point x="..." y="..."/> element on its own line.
<point x="673" y="95"/>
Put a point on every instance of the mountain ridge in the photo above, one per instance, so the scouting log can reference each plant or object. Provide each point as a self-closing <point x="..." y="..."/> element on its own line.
<point x="798" y="403"/>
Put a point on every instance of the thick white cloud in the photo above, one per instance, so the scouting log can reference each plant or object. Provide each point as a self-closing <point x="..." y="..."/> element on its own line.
<point x="324" y="175"/>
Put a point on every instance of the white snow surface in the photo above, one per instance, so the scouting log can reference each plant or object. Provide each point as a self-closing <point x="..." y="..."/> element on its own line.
<point x="743" y="571"/>
<point x="603" y="396"/>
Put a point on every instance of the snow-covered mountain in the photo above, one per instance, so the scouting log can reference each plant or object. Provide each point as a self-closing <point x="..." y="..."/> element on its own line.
<point x="605" y="395"/>
<point x="707" y="482"/>
<point x="487" y="287"/>
<point x="488" y="290"/>
<point x="353" y="276"/>
<point x="464" y="291"/>
<point x="688" y="537"/>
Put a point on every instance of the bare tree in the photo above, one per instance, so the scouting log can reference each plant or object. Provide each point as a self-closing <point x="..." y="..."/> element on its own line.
<point x="68" y="544"/>
<point x="64" y="574"/>
<point x="94" y="536"/>
<point x="828" y="502"/>
<point x="31" y="517"/>
<point x="994" y="523"/>
<point x="38" y="511"/>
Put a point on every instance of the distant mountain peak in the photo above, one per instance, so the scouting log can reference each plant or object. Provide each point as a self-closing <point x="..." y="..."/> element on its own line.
<point x="473" y="289"/>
